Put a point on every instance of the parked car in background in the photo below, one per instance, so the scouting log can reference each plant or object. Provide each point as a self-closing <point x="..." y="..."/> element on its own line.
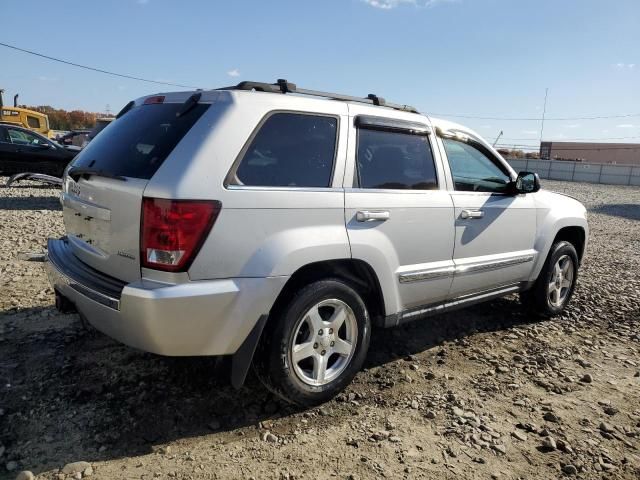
<point x="23" y="150"/>
<point x="77" y="138"/>
<point x="287" y="222"/>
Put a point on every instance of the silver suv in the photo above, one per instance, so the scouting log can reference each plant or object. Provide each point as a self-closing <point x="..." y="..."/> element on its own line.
<point x="278" y="225"/>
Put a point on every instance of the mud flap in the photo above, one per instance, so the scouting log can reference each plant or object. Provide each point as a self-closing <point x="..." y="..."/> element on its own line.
<point x="241" y="360"/>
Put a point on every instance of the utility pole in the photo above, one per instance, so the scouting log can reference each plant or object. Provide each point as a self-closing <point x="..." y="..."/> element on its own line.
<point x="497" y="138"/>
<point x="544" y="112"/>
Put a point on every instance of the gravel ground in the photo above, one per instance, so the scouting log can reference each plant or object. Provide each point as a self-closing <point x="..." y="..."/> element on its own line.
<point x="479" y="393"/>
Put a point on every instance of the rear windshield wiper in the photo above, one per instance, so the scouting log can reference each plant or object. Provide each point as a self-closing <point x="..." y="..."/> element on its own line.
<point x="125" y="109"/>
<point x="78" y="172"/>
<point x="189" y="104"/>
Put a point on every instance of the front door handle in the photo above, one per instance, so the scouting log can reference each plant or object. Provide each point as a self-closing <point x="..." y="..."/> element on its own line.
<point x="372" y="216"/>
<point x="471" y="214"/>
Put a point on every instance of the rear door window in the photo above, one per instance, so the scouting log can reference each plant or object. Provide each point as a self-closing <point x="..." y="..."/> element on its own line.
<point x="394" y="160"/>
<point x="136" y="144"/>
<point x="290" y="150"/>
<point x="4" y="136"/>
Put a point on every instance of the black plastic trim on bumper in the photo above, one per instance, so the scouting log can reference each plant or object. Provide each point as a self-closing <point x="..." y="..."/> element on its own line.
<point x="81" y="277"/>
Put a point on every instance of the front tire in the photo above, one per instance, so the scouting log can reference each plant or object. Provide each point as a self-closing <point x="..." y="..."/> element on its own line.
<point x="313" y="347"/>
<point x="554" y="287"/>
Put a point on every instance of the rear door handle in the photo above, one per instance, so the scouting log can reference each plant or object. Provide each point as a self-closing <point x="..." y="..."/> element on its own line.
<point x="372" y="216"/>
<point x="471" y="214"/>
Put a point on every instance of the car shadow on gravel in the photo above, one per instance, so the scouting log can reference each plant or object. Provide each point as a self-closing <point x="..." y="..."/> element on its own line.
<point x="630" y="211"/>
<point x="76" y="394"/>
<point x="430" y="332"/>
<point x="29" y="203"/>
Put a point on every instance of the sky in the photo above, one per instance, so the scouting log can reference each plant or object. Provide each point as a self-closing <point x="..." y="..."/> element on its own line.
<point x="480" y="58"/>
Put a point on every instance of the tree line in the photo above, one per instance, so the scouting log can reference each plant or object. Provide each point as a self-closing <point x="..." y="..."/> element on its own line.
<point x="514" y="153"/>
<point x="60" y="119"/>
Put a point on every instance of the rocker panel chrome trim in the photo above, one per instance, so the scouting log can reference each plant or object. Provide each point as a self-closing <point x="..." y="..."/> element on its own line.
<point x="461" y="301"/>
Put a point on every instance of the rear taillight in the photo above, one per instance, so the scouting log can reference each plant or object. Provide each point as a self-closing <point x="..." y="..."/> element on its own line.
<point x="172" y="231"/>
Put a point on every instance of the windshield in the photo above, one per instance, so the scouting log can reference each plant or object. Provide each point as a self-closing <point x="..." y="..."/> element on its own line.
<point x="136" y="144"/>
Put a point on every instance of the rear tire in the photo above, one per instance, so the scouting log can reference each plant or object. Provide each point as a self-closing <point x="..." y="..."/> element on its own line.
<point x="556" y="282"/>
<point x="313" y="347"/>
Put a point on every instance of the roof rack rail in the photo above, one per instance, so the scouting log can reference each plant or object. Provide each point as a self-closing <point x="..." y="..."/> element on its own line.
<point x="283" y="86"/>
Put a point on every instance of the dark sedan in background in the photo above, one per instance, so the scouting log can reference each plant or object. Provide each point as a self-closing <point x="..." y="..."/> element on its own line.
<point x="22" y="150"/>
<point x="78" y="138"/>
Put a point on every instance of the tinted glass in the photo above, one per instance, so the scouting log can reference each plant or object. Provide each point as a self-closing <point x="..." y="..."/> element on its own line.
<point x="100" y="125"/>
<point x="33" y="122"/>
<point x="395" y="160"/>
<point x="4" y="136"/>
<point x="472" y="169"/>
<point x="20" y="137"/>
<point x="290" y="150"/>
<point x="136" y="144"/>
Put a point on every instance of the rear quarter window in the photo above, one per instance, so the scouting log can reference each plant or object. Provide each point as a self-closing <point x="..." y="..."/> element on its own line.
<point x="289" y="150"/>
<point x="136" y="144"/>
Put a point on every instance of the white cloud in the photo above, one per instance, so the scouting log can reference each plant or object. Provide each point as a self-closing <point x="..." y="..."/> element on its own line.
<point x="530" y="132"/>
<point x="234" y="73"/>
<point x="624" y="66"/>
<point x="626" y="125"/>
<point x="389" y="4"/>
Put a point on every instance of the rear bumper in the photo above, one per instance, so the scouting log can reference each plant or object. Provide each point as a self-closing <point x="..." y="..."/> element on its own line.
<point x="210" y="317"/>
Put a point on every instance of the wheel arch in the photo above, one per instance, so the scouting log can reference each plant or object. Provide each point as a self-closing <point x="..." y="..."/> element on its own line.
<point x="575" y="235"/>
<point x="357" y="273"/>
<point x="571" y="229"/>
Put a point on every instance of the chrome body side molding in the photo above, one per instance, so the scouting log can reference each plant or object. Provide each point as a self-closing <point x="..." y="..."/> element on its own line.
<point x="426" y="274"/>
<point x="466" y="268"/>
<point x="486" y="265"/>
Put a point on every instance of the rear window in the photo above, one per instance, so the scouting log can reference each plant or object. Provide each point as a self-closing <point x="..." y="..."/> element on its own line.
<point x="100" y="125"/>
<point x="136" y="144"/>
<point x="33" y="122"/>
<point x="290" y="150"/>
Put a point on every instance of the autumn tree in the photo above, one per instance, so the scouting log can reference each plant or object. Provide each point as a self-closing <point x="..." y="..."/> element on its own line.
<point x="60" y="119"/>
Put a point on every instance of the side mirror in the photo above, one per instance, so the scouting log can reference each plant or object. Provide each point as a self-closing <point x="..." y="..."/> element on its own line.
<point x="527" y="182"/>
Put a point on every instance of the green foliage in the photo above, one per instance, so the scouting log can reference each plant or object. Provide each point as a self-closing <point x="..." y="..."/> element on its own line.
<point x="60" y="119"/>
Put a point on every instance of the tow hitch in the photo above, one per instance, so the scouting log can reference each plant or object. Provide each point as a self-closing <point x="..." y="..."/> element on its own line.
<point x="63" y="304"/>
